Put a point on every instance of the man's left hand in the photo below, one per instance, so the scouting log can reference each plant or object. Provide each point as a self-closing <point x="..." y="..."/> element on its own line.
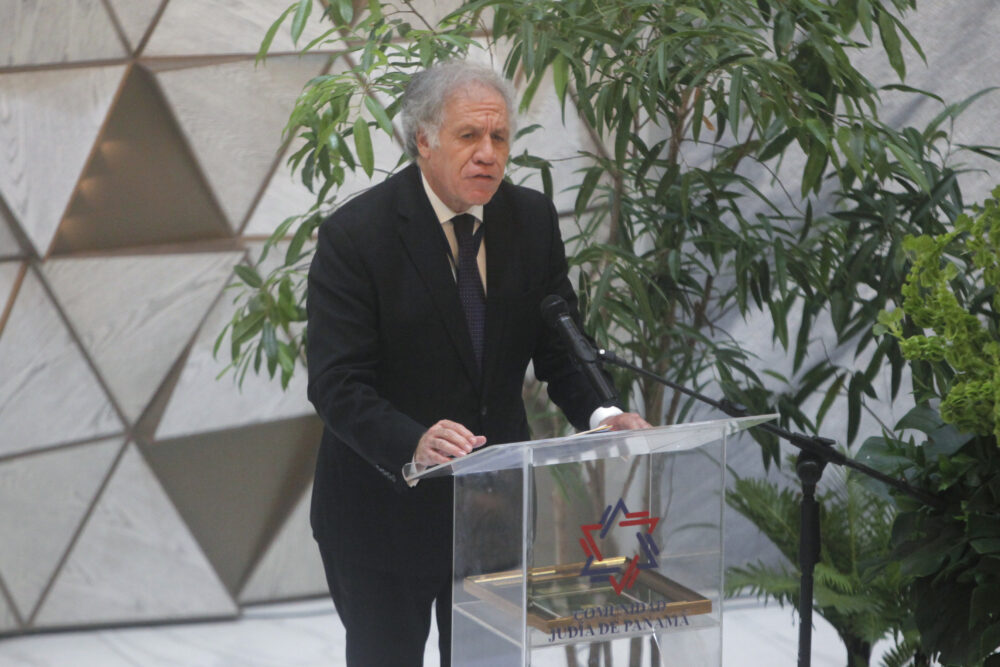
<point x="625" y="421"/>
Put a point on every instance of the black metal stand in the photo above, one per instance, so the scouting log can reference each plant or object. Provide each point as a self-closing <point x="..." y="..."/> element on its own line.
<point x="814" y="455"/>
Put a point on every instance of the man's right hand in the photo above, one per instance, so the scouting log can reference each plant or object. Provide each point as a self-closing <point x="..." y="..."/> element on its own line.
<point x="446" y="440"/>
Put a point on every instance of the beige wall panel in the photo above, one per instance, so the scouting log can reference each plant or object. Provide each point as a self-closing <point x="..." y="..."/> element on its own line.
<point x="135" y="560"/>
<point x="9" y="247"/>
<point x="430" y="11"/>
<point x="47" y="128"/>
<point x="202" y="27"/>
<point x="8" y="621"/>
<point x="233" y="115"/>
<point x="142" y="186"/>
<point x="962" y="58"/>
<point x="200" y="402"/>
<point x="286" y="195"/>
<point x="235" y="488"/>
<point x="557" y="141"/>
<point x="43" y="498"/>
<point x="8" y="276"/>
<point x="48" y="392"/>
<point x="56" y="31"/>
<point x="291" y="566"/>
<point x="135" y="314"/>
<point x="135" y="17"/>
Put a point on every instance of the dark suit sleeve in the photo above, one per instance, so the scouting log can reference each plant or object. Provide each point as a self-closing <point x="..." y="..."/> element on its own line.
<point x="567" y="386"/>
<point x="343" y="343"/>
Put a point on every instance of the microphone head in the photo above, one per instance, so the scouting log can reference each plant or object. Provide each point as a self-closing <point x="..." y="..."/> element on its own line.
<point x="554" y="306"/>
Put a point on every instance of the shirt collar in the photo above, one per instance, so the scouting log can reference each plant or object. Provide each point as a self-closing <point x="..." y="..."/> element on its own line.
<point x="441" y="210"/>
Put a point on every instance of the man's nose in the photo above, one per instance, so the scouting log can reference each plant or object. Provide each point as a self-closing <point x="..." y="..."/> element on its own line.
<point x="486" y="152"/>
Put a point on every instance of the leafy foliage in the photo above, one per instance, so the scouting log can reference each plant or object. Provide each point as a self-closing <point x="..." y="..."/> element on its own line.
<point x="853" y="590"/>
<point x="958" y="300"/>
<point x="952" y="552"/>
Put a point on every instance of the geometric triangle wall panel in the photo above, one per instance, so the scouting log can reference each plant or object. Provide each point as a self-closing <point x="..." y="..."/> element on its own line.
<point x="56" y="31"/>
<point x="141" y="186"/>
<point x="135" y="17"/>
<point x="291" y="567"/>
<point x="48" y="123"/>
<point x="43" y="499"/>
<point x="202" y="401"/>
<point x="10" y="272"/>
<point x="284" y="196"/>
<point x="236" y="488"/>
<point x="223" y="27"/>
<point x="9" y="247"/>
<point x="135" y="314"/>
<point x="134" y="561"/>
<point x="8" y="621"/>
<point x="48" y="392"/>
<point x="232" y="114"/>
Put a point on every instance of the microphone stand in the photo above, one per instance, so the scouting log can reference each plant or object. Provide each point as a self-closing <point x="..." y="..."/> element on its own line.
<point x="814" y="454"/>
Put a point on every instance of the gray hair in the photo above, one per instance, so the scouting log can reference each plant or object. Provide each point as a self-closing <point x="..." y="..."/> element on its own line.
<point x="429" y="90"/>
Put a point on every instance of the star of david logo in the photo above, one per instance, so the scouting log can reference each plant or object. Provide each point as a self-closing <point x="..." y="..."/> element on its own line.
<point x="621" y="578"/>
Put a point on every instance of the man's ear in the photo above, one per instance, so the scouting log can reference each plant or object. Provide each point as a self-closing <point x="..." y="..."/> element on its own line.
<point x="423" y="145"/>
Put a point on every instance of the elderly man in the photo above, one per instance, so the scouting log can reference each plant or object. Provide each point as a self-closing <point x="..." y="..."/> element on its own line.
<point x="424" y="313"/>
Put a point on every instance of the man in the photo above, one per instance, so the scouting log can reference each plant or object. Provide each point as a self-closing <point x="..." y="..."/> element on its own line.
<point x="402" y="368"/>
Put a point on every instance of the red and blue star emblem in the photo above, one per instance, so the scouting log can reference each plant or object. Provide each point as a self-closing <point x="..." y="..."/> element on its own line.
<point x="644" y="559"/>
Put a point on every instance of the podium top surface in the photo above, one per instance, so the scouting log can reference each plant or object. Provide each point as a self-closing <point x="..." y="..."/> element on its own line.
<point x="586" y="447"/>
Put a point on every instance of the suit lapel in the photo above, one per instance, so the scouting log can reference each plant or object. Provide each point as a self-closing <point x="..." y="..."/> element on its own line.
<point x="425" y="243"/>
<point x="501" y="247"/>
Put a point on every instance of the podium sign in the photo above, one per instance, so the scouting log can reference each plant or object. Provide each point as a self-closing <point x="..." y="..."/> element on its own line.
<point x="594" y="539"/>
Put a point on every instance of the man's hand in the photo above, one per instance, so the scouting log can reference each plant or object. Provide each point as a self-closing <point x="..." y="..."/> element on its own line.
<point x="625" y="421"/>
<point x="444" y="441"/>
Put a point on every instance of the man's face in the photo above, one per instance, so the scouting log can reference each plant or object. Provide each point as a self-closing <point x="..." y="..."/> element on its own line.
<point x="466" y="166"/>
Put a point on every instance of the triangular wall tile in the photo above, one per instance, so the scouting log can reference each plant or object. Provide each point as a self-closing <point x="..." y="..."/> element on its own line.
<point x="57" y="31"/>
<point x="235" y="488"/>
<point x="202" y="401"/>
<point x="291" y="566"/>
<point x="50" y="122"/>
<point x="135" y="314"/>
<point x="233" y="114"/>
<point x="286" y="195"/>
<point x="141" y="186"/>
<point x="9" y="272"/>
<point x="214" y="27"/>
<point x="8" y="621"/>
<point x="135" y="17"/>
<point x="48" y="392"/>
<point x="9" y="247"/>
<point x="43" y="498"/>
<point x="134" y="561"/>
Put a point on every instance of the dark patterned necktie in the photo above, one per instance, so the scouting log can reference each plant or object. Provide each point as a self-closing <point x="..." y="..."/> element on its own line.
<point x="470" y="285"/>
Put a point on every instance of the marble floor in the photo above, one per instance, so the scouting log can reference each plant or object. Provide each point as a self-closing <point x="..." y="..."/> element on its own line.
<point x="307" y="634"/>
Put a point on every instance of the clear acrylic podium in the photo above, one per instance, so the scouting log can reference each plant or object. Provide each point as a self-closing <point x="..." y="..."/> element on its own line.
<point x="601" y="538"/>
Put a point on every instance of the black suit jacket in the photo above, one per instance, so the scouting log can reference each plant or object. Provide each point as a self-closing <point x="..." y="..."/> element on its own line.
<point x="389" y="355"/>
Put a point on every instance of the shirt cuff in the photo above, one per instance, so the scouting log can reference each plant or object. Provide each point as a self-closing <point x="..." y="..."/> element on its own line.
<point x="603" y="413"/>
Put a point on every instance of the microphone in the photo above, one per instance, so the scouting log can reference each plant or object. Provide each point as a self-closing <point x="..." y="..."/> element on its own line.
<point x="555" y="312"/>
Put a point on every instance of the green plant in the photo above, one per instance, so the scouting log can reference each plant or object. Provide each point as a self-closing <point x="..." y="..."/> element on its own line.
<point x="948" y="329"/>
<point x="862" y="600"/>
